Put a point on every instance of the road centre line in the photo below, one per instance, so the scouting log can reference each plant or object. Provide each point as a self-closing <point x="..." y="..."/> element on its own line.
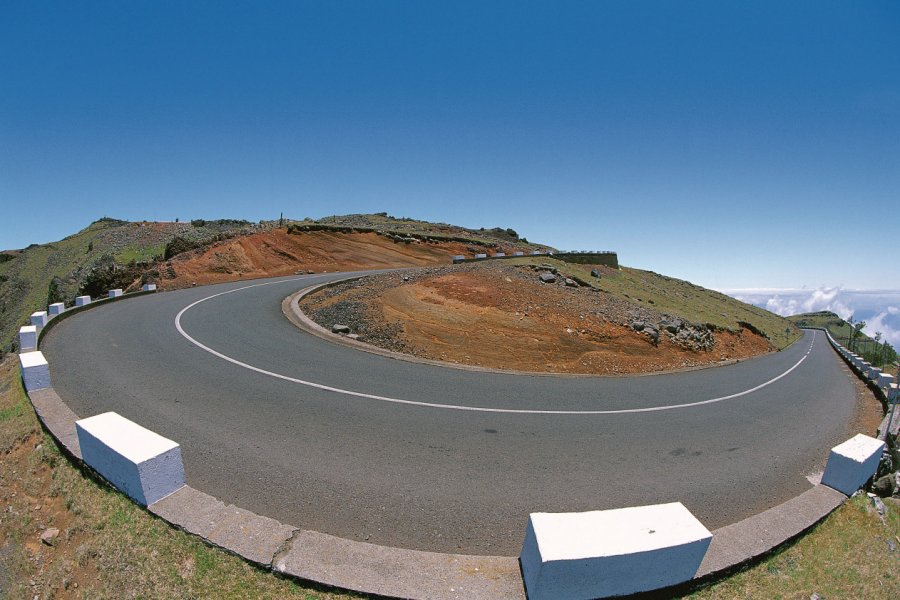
<point x="363" y="395"/>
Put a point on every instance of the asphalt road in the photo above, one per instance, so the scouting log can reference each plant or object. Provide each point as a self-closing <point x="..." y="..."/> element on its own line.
<point x="437" y="478"/>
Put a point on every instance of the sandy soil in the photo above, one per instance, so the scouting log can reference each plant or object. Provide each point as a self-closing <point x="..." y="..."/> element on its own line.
<point x="500" y="316"/>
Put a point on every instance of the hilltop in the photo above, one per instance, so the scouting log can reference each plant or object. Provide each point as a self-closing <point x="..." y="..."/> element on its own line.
<point x="112" y="253"/>
<point x="623" y="320"/>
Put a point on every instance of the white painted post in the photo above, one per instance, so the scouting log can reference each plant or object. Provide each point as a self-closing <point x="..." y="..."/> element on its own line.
<point x="82" y="300"/>
<point x="56" y="309"/>
<point x="852" y="463"/>
<point x="611" y="552"/>
<point x="27" y="338"/>
<point x="35" y="371"/>
<point x="39" y="319"/>
<point x="142" y="464"/>
<point x="116" y="293"/>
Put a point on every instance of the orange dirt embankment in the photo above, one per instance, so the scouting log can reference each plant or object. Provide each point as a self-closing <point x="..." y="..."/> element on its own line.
<point x="500" y="316"/>
<point x="276" y="253"/>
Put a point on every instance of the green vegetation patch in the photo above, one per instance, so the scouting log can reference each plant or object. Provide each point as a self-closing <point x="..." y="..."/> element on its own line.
<point x="134" y="253"/>
<point x="876" y="352"/>
<point x="852" y="554"/>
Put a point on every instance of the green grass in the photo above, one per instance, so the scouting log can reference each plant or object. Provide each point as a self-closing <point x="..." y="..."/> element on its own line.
<point x="840" y="330"/>
<point x="849" y="555"/>
<point x="136" y="253"/>
<point x="680" y="298"/>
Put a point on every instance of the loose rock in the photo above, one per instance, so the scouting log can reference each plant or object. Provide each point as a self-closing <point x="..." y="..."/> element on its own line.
<point x="338" y="328"/>
<point x="548" y="278"/>
<point x="884" y="486"/>
<point x="49" y="536"/>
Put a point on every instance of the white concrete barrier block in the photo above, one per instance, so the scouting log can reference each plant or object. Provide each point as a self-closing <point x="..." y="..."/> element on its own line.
<point x="39" y="319"/>
<point x="27" y="338"/>
<point x="893" y="393"/>
<point x="149" y="287"/>
<point x="481" y="255"/>
<point x="611" y="552"/>
<point x="851" y="464"/>
<point x="458" y="258"/>
<point x="140" y="463"/>
<point x="115" y="293"/>
<point x="500" y="254"/>
<point x="518" y="254"/>
<point x="56" y="309"/>
<point x="82" y="300"/>
<point x="35" y="371"/>
<point x="536" y="253"/>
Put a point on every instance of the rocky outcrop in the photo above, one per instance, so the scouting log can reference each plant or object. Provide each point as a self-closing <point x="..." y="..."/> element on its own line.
<point x="680" y="332"/>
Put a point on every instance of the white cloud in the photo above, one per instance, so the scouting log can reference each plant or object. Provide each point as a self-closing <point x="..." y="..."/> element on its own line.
<point x="889" y="331"/>
<point x="880" y="309"/>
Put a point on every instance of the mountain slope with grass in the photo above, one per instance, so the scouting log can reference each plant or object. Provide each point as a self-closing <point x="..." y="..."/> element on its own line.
<point x="875" y="351"/>
<point x="109" y="253"/>
<point x="119" y="254"/>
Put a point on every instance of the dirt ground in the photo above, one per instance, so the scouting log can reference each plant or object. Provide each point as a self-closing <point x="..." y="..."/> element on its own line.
<point x="276" y="253"/>
<point x="500" y="316"/>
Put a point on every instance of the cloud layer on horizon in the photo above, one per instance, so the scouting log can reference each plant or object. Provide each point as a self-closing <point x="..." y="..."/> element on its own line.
<point x="880" y="309"/>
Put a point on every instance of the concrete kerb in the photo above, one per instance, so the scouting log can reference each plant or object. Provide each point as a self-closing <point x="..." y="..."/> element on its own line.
<point x="74" y="310"/>
<point x="858" y="366"/>
<point x="395" y="572"/>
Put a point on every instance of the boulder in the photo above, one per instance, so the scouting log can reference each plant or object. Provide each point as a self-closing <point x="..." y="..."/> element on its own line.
<point x="570" y="283"/>
<point x="548" y="278"/>
<point x="672" y="325"/>
<point x="595" y="273"/>
<point x="885" y="486"/>
<point x="638" y="325"/>
<point x="338" y="328"/>
<point x="48" y="536"/>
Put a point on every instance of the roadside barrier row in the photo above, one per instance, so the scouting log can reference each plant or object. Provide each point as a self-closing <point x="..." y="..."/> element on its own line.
<point x="883" y="384"/>
<point x="583" y="555"/>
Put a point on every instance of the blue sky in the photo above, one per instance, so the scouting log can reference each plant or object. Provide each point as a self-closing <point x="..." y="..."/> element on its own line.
<point x="750" y="145"/>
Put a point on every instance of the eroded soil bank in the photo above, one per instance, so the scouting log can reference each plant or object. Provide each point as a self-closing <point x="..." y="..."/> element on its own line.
<point x="502" y="316"/>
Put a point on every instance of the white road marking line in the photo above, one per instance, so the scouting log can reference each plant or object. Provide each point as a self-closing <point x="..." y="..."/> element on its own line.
<point x="518" y="411"/>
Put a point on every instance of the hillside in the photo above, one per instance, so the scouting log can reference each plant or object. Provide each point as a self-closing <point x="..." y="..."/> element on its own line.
<point x="633" y="304"/>
<point x="874" y="352"/>
<point x="111" y="253"/>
